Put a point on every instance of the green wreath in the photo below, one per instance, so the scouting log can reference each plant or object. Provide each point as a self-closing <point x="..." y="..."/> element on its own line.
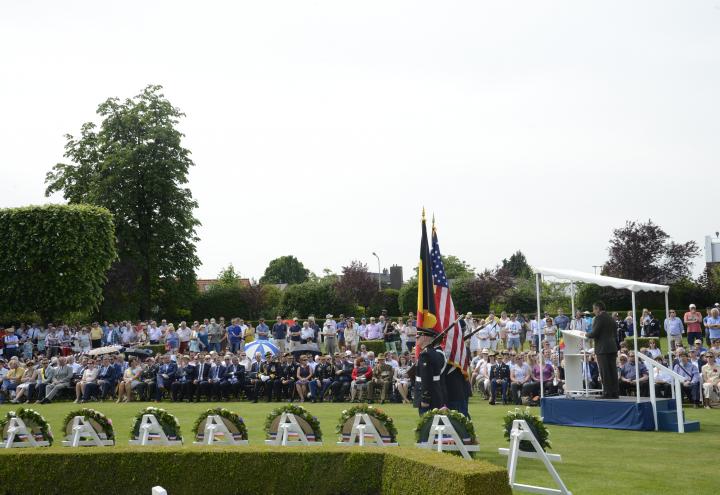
<point x="298" y="411"/>
<point x="536" y="426"/>
<point x="377" y="413"/>
<point x="168" y="422"/>
<point x="34" y="421"/>
<point x="90" y="414"/>
<point x="235" y="419"/>
<point x="463" y="426"/>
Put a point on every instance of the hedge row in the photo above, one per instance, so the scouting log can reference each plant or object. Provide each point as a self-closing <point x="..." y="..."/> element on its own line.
<point x="330" y="470"/>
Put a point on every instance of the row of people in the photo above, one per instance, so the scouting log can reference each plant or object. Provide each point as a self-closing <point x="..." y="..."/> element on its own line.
<point x="211" y="376"/>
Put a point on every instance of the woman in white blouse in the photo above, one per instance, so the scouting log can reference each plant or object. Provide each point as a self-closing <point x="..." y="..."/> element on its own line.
<point x="88" y="376"/>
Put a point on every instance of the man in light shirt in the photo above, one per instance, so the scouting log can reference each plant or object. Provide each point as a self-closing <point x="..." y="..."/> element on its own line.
<point x="513" y="327"/>
<point x="674" y="328"/>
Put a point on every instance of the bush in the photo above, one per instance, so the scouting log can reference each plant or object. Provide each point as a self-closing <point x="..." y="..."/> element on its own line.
<point x="377" y="346"/>
<point x="386" y="299"/>
<point x="264" y="469"/>
<point x="54" y="258"/>
<point x="642" y="342"/>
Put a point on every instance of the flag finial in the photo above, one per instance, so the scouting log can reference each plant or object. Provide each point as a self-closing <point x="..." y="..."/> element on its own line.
<point x="433" y="220"/>
<point x="423" y="213"/>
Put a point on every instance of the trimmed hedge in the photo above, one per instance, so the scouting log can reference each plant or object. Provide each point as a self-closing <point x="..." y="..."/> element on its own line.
<point x="259" y="469"/>
<point x="642" y="342"/>
<point x="377" y="346"/>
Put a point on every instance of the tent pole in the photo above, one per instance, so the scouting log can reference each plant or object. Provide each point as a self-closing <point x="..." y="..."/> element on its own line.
<point x="541" y="360"/>
<point x="572" y="301"/>
<point x="635" y="343"/>
<point x="667" y="315"/>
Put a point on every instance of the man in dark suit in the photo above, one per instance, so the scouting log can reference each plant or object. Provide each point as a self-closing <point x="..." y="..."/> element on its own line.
<point x="234" y="379"/>
<point x="603" y="331"/>
<point x="182" y="386"/>
<point x="202" y="377"/>
<point x="165" y="377"/>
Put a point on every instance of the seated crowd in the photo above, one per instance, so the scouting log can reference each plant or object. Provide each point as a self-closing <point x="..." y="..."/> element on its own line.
<point x="208" y="360"/>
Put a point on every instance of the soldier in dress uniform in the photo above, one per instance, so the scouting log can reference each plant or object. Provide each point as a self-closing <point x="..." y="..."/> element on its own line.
<point x="458" y="390"/>
<point x="430" y="373"/>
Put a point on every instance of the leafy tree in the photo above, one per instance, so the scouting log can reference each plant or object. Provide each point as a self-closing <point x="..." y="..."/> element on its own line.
<point x="54" y="259"/>
<point x="455" y="268"/>
<point x="644" y="252"/>
<point x="407" y="298"/>
<point x="135" y="165"/>
<point x="285" y="270"/>
<point x="228" y="276"/>
<point x="314" y="297"/>
<point x="517" y="266"/>
<point x="356" y="285"/>
<point x="476" y="294"/>
<point x="386" y="299"/>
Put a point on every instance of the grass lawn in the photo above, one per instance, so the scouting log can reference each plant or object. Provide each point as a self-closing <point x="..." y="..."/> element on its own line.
<point x="594" y="460"/>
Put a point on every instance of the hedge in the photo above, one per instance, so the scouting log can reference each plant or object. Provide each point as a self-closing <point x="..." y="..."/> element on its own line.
<point x="377" y="346"/>
<point x="642" y="342"/>
<point x="259" y="469"/>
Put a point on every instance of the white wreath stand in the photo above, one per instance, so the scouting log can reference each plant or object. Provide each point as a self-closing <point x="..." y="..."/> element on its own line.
<point x="362" y="427"/>
<point x="440" y="427"/>
<point x="216" y="433"/>
<point x="521" y="431"/>
<point x="16" y="428"/>
<point x="288" y="424"/>
<point x="82" y="428"/>
<point x="149" y="426"/>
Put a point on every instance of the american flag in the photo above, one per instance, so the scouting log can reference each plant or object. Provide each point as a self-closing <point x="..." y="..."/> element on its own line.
<point x="454" y="344"/>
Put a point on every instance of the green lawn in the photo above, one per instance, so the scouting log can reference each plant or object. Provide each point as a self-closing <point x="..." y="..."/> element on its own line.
<point x="594" y="460"/>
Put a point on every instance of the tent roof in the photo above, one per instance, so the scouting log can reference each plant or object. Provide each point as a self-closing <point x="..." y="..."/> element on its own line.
<point x="617" y="283"/>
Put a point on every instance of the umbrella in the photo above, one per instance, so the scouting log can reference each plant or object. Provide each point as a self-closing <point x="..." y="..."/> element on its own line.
<point x="261" y="346"/>
<point x="108" y="349"/>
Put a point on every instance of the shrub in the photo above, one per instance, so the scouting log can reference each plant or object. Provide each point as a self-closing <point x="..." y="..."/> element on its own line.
<point x="42" y="271"/>
<point x="349" y="471"/>
<point x="386" y="299"/>
<point x="642" y="342"/>
<point x="377" y="346"/>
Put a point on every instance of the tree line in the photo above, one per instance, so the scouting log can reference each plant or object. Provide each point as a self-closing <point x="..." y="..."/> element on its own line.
<point x="124" y="246"/>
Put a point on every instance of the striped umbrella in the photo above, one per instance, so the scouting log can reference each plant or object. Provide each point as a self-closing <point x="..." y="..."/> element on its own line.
<point x="261" y="346"/>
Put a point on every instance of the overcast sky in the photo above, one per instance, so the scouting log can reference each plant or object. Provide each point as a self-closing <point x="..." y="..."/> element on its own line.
<point x="321" y="128"/>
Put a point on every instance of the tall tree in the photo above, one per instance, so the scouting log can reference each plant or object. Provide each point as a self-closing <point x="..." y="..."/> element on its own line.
<point x="455" y="268"/>
<point x="134" y="164"/>
<point x="356" y="285"/>
<point x="645" y="252"/>
<point x="228" y="276"/>
<point x="285" y="270"/>
<point x="517" y="266"/>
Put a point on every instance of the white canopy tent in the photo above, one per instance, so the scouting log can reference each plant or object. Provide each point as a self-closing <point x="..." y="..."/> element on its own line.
<point x="617" y="283"/>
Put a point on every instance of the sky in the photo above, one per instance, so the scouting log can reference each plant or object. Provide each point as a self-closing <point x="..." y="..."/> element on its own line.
<point x="322" y="128"/>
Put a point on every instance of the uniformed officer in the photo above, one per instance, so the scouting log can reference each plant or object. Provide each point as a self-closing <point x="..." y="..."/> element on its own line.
<point x="430" y="373"/>
<point x="458" y="390"/>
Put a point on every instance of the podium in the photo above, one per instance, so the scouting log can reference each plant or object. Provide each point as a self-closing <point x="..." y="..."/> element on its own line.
<point x="576" y="352"/>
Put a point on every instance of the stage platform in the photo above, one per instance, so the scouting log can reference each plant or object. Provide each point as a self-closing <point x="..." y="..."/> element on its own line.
<point x="624" y="413"/>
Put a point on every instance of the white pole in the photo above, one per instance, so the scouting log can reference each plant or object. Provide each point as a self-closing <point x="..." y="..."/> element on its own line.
<point x="572" y="300"/>
<point x="635" y="343"/>
<point x="667" y="315"/>
<point x="541" y="360"/>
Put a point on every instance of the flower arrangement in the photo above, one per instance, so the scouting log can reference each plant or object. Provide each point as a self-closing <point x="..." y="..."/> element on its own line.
<point x="463" y="426"/>
<point x="536" y="426"/>
<point x="90" y="414"/>
<point x="234" y="419"/>
<point x="33" y="420"/>
<point x="168" y="422"/>
<point x="298" y="411"/>
<point x="377" y="413"/>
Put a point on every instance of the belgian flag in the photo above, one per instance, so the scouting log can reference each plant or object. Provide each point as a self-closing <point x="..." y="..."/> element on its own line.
<point x="426" y="312"/>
